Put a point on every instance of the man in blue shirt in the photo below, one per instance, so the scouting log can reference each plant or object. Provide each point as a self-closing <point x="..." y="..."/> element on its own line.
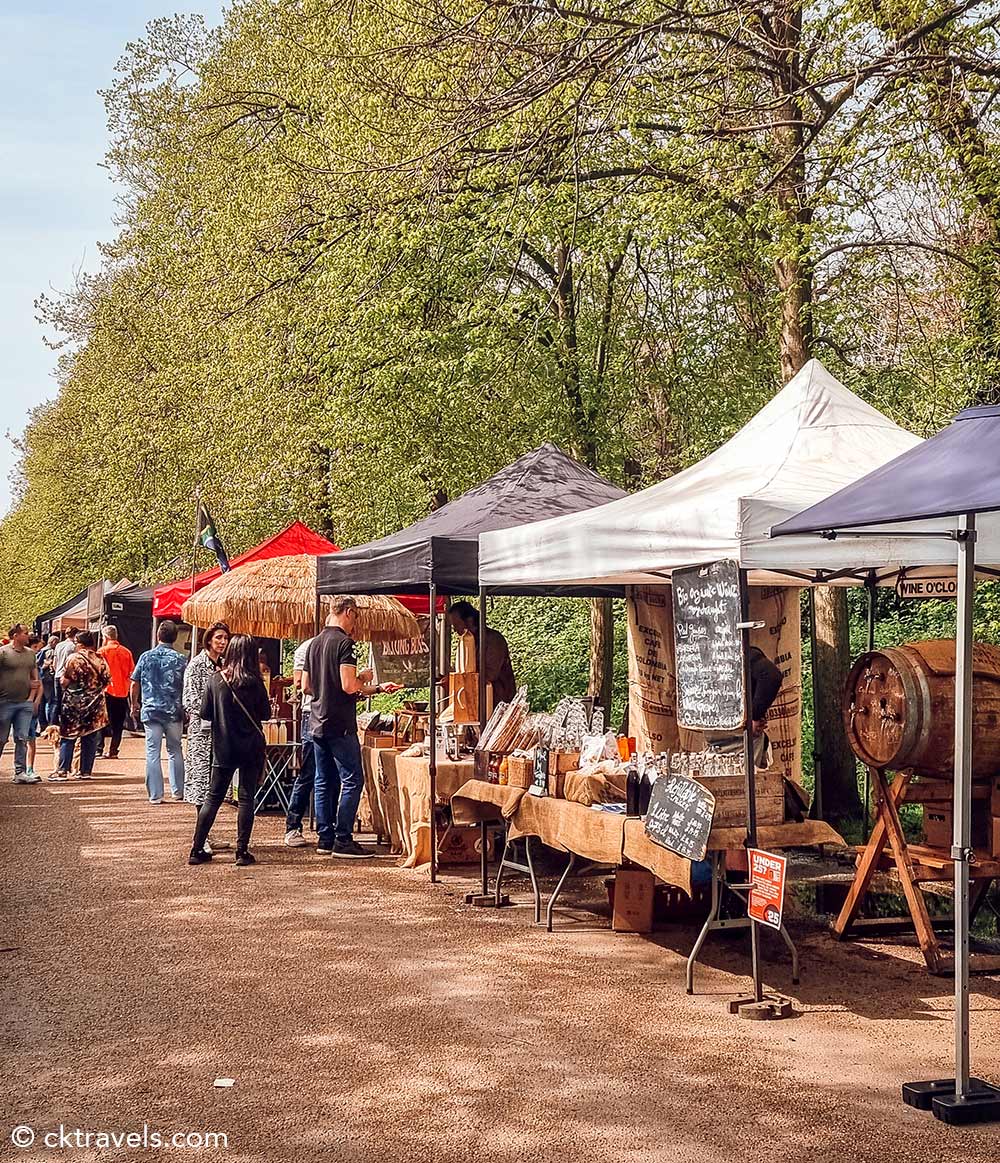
<point x="157" y="686"/>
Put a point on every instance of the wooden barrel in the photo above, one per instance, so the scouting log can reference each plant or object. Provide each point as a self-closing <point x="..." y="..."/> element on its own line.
<point x="899" y="708"/>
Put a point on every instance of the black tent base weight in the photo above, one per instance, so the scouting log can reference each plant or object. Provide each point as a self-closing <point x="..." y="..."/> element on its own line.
<point x="981" y="1105"/>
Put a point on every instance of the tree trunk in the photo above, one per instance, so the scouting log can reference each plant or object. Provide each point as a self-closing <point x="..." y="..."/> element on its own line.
<point x="837" y="782"/>
<point x="837" y="795"/>
<point x="602" y="653"/>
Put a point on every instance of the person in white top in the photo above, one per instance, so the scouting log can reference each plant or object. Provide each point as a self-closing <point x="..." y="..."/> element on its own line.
<point x="302" y="788"/>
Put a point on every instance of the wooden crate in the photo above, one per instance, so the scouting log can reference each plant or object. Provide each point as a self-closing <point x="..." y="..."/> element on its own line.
<point x="520" y="770"/>
<point x="731" y="799"/>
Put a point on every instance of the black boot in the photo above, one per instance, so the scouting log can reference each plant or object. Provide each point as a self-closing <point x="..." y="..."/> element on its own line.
<point x="244" y="858"/>
<point x="201" y="857"/>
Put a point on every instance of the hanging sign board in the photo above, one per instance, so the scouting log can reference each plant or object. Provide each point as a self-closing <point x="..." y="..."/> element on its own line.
<point x="767" y="887"/>
<point x="708" y="647"/>
<point x="405" y="663"/>
<point x="916" y="588"/>
<point x="680" y="816"/>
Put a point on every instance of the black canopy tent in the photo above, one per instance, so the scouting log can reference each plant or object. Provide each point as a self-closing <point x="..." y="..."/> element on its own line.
<point x="130" y="610"/>
<point x="43" y="623"/>
<point x="942" y="485"/>
<point x="440" y="553"/>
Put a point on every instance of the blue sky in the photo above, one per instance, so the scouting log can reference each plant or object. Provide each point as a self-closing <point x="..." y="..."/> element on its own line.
<point x="56" y="202"/>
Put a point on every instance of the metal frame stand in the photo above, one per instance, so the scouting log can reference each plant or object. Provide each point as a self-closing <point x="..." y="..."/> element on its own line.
<point x="507" y="861"/>
<point x="713" y="923"/>
<point x="589" y="868"/>
<point x="963" y="1099"/>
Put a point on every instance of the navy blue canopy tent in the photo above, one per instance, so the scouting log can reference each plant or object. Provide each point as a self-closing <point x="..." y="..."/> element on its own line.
<point x="936" y="491"/>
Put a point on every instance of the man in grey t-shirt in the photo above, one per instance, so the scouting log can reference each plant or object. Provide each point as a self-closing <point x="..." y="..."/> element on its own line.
<point x="20" y="693"/>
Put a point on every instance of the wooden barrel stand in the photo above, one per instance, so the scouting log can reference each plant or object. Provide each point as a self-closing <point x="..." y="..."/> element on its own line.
<point x="912" y="865"/>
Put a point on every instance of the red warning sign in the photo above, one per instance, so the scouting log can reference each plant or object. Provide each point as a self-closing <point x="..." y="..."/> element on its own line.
<point x="767" y="887"/>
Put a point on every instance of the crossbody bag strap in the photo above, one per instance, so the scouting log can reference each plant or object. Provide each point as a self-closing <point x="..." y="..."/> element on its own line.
<point x="242" y="706"/>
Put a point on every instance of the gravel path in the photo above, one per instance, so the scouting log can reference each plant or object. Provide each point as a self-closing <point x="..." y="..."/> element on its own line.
<point x="365" y="1014"/>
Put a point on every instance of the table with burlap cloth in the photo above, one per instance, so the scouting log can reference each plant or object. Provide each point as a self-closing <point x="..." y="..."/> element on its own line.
<point x="413" y="783"/>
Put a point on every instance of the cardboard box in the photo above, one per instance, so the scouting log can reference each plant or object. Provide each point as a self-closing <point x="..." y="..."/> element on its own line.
<point x="633" y="909"/>
<point x="939" y="823"/>
<point x="562" y="761"/>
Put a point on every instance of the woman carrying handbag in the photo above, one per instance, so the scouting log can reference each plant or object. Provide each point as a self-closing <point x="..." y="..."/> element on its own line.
<point x="235" y="703"/>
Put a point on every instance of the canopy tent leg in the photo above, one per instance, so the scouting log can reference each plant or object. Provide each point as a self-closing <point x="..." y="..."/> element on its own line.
<point x="484" y="863"/>
<point x="432" y="723"/>
<point x="870" y="587"/>
<point x="963" y="1099"/>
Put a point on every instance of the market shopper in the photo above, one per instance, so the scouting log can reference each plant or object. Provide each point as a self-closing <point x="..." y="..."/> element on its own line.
<point x="36" y="645"/>
<point x="157" y="692"/>
<point x="332" y="678"/>
<point x="302" y="788"/>
<point x="235" y="703"/>
<point x="493" y="656"/>
<point x="20" y="693"/>
<point x="83" y="712"/>
<point x="62" y="653"/>
<point x="46" y="660"/>
<point x="198" y="760"/>
<point x="120" y="664"/>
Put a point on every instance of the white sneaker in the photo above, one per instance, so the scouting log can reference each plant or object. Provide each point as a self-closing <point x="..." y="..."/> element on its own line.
<point x="27" y="777"/>
<point x="158" y="800"/>
<point x="295" y="839"/>
<point x="206" y="847"/>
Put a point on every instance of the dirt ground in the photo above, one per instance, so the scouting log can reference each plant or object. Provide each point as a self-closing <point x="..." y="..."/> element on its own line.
<point x="366" y="1014"/>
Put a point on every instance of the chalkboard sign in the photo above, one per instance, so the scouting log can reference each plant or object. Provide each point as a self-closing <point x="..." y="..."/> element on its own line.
<point x="708" y="647"/>
<point x="680" y="816"/>
<point x="540" y="775"/>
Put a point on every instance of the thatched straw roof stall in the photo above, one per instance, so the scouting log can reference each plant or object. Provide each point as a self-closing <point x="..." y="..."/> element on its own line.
<point x="276" y="598"/>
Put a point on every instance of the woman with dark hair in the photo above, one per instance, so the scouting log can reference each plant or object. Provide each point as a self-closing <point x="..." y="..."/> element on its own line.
<point x="198" y="761"/>
<point x="235" y="704"/>
<point x="83" y="712"/>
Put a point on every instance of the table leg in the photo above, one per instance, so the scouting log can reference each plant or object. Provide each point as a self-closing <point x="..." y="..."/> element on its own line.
<point x="534" y="880"/>
<point x="794" y="952"/>
<point x="713" y="915"/>
<point x="558" y="889"/>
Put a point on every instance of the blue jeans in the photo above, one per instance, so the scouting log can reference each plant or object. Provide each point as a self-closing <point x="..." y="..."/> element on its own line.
<point x="18" y="715"/>
<point x="155" y="734"/>
<point x="302" y="788"/>
<point x="340" y="780"/>
<point x="88" y="751"/>
<point x="47" y="710"/>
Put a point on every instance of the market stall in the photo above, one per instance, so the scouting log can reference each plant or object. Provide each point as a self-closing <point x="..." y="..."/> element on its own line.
<point x="276" y="597"/>
<point x="439" y="555"/>
<point x="927" y="503"/>
<point x="813" y="436"/>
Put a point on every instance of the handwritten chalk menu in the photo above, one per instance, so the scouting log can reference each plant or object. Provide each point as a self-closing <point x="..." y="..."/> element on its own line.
<point x="708" y="647"/>
<point x="540" y="773"/>
<point x="680" y="816"/>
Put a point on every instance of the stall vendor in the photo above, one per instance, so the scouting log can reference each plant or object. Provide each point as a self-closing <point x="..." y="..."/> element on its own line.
<point x="765" y="683"/>
<point x="494" y="656"/>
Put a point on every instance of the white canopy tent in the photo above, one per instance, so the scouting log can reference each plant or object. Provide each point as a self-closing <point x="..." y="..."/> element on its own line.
<point x="813" y="438"/>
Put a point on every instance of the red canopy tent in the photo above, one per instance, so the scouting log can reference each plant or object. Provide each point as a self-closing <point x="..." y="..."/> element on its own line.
<point x="297" y="538"/>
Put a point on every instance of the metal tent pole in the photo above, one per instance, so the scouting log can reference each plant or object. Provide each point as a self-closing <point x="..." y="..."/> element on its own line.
<point x="484" y="863"/>
<point x="432" y="723"/>
<point x="870" y="587"/>
<point x="962" y="836"/>
<point x="751" y="778"/>
<point x="817" y="811"/>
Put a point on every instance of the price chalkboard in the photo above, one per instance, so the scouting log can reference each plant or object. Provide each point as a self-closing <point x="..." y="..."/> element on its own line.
<point x="540" y="774"/>
<point x="680" y="816"/>
<point x="708" y="647"/>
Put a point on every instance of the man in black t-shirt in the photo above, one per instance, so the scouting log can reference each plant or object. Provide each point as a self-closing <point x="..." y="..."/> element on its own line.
<point x="331" y="676"/>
